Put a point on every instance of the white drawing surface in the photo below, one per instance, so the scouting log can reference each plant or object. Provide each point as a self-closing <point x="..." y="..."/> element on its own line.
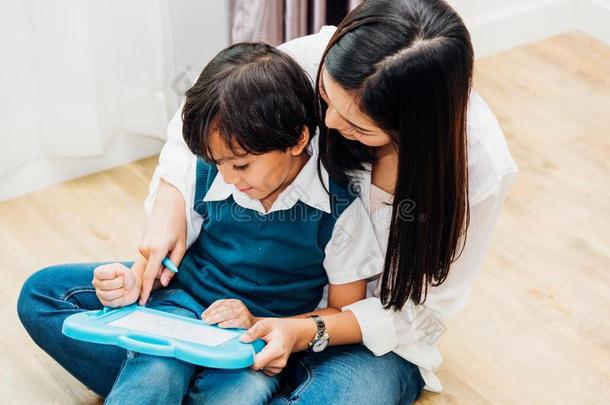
<point x="140" y="321"/>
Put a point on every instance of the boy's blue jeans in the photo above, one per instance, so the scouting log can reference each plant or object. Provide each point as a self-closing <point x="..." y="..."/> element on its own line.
<point x="339" y="375"/>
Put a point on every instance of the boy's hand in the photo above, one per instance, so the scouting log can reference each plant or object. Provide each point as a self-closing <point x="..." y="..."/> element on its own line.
<point x="116" y="285"/>
<point x="230" y="313"/>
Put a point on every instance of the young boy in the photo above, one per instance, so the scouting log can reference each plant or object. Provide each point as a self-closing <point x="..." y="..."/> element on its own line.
<point x="274" y="230"/>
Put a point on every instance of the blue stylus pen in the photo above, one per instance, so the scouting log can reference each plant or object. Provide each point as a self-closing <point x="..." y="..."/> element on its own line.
<point x="170" y="265"/>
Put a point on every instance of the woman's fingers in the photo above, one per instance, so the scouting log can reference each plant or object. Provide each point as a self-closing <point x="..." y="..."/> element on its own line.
<point x="176" y="256"/>
<point x="272" y="355"/>
<point x="153" y="265"/>
<point x="166" y="277"/>
<point x="257" y="331"/>
<point x="271" y="371"/>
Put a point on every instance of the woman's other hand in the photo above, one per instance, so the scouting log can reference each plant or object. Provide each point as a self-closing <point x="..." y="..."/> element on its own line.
<point x="165" y="234"/>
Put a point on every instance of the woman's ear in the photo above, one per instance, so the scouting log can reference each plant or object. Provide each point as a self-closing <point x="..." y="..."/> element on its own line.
<point x="297" y="149"/>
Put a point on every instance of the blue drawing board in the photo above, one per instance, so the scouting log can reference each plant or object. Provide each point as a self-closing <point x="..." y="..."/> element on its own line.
<point x="159" y="333"/>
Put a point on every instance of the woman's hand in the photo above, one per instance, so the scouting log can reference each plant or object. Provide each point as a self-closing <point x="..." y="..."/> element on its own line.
<point x="229" y="313"/>
<point x="165" y="234"/>
<point x="283" y="337"/>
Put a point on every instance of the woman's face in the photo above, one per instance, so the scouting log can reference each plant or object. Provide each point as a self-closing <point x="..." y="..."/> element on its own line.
<point x="344" y="115"/>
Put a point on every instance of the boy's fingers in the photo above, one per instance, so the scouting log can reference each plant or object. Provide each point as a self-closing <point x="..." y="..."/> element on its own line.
<point x="105" y="272"/>
<point x="117" y="302"/>
<point x="239" y="322"/>
<point x="112" y="284"/>
<point x="212" y="307"/>
<point x="110" y="295"/>
<point x="218" y="315"/>
<point x="129" y="279"/>
<point x="150" y="273"/>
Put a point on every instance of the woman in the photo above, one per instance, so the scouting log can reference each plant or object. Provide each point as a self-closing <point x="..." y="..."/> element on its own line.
<point x="430" y="163"/>
<point x="394" y="83"/>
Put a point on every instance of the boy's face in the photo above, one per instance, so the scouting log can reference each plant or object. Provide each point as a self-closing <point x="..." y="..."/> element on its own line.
<point x="261" y="177"/>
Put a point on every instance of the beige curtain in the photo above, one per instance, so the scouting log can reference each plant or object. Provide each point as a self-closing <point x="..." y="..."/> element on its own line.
<point x="278" y="21"/>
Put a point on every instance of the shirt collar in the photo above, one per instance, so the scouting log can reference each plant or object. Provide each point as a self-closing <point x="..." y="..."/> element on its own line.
<point x="306" y="187"/>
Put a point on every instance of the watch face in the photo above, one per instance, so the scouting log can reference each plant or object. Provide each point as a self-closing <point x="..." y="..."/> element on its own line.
<point x="320" y="345"/>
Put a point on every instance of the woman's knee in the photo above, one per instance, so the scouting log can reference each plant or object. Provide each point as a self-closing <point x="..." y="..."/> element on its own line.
<point x="354" y="375"/>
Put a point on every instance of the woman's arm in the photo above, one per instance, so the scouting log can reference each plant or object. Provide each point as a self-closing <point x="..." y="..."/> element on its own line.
<point x="384" y="330"/>
<point x="172" y="224"/>
<point x="339" y="295"/>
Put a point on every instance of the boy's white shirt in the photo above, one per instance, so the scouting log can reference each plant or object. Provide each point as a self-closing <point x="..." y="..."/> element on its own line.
<point x="351" y="254"/>
<point x="412" y="331"/>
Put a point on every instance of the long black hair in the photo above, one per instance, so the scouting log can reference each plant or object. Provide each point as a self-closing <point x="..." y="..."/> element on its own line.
<point x="409" y="63"/>
<point x="255" y="96"/>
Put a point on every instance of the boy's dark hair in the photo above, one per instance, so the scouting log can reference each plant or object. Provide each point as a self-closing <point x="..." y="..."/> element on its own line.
<point x="255" y="96"/>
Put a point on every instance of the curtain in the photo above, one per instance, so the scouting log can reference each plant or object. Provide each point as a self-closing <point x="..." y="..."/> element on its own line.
<point x="278" y="21"/>
<point x="91" y="84"/>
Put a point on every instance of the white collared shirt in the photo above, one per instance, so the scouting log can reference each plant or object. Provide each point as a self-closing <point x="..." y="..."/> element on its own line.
<point x="352" y="252"/>
<point x="413" y="331"/>
<point x="305" y="187"/>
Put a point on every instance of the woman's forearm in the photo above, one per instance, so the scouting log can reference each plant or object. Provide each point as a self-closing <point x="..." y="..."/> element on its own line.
<point x="319" y="312"/>
<point x="342" y="327"/>
<point x="169" y="196"/>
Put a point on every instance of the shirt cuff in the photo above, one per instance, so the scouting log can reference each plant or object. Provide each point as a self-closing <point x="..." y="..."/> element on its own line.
<point x="376" y="325"/>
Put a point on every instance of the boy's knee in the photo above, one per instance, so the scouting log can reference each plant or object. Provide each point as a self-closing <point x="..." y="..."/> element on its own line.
<point x="234" y="386"/>
<point x="174" y="373"/>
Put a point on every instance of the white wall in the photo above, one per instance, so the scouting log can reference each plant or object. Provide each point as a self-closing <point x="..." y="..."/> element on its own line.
<point x="497" y="25"/>
<point x="88" y="85"/>
<point x="82" y="63"/>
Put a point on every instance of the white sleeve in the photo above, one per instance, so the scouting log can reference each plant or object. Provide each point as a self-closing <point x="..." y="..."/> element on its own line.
<point x="352" y="252"/>
<point x="177" y="167"/>
<point x="174" y="163"/>
<point x="307" y="51"/>
<point x="386" y="330"/>
<point x="194" y="220"/>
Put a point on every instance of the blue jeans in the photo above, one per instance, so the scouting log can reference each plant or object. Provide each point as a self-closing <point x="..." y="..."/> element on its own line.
<point x="340" y="375"/>
<point x="349" y="374"/>
<point x="54" y="293"/>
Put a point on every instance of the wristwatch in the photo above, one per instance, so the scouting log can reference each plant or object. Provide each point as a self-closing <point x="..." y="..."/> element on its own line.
<point x="320" y="341"/>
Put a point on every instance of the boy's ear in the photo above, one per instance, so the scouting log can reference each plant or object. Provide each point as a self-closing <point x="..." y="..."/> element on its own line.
<point x="297" y="149"/>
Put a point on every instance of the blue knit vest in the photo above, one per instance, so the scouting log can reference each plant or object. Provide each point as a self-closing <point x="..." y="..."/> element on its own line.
<point x="271" y="262"/>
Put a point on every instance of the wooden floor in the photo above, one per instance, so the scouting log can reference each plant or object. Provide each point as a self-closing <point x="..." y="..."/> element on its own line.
<point x="537" y="327"/>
